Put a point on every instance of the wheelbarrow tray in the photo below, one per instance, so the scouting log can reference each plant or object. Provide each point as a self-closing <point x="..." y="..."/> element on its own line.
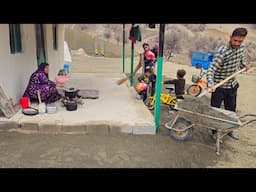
<point x="228" y="122"/>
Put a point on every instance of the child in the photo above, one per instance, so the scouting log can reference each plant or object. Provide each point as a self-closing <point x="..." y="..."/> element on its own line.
<point x="145" y="78"/>
<point x="155" y="50"/>
<point x="179" y="83"/>
<point x="61" y="78"/>
<point x="149" y="60"/>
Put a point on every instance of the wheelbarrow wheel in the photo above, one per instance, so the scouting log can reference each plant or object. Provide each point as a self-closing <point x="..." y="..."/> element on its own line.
<point x="181" y="135"/>
<point x="194" y="90"/>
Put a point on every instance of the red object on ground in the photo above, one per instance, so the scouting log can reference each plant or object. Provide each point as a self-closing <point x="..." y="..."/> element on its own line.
<point x="24" y="102"/>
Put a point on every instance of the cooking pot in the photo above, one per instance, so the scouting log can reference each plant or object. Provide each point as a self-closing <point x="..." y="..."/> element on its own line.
<point x="71" y="92"/>
<point x="71" y="105"/>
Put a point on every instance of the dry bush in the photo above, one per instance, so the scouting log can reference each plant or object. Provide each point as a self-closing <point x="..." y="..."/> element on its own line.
<point x="118" y="37"/>
<point x="195" y="27"/>
<point x="205" y="44"/>
<point x="254" y="26"/>
<point x="108" y="34"/>
<point x="174" y="39"/>
<point x="250" y="51"/>
<point x="116" y="28"/>
<point x="84" y="27"/>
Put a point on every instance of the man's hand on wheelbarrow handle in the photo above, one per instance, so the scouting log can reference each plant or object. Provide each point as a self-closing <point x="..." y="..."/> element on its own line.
<point x="212" y="88"/>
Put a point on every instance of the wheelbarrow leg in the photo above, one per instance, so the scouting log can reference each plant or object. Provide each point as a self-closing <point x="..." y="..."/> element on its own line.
<point x="218" y="142"/>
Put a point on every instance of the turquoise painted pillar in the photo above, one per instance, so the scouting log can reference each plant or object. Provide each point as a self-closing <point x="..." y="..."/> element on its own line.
<point x="132" y="59"/>
<point x="159" y="77"/>
<point x="123" y="48"/>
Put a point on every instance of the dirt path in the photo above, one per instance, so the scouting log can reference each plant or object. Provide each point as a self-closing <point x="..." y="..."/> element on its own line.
<point x="200" y="150"/>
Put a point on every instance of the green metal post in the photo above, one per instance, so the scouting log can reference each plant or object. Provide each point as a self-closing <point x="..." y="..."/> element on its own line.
<point x="159" y="77"/>
<point x="123" y="48"/>
<point x="104" y="45"/>
<point x="132" y="58"/>
<point x="94" y="45"/>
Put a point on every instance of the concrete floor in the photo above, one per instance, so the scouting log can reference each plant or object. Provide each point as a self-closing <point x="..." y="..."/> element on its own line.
<point x="116" y="110"/>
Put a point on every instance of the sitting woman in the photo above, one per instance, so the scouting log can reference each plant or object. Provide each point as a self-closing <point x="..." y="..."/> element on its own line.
<point x="39" y="80"/>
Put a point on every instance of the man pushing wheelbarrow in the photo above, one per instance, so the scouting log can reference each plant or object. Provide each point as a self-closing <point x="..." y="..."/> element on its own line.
<point x="229" y="59"/>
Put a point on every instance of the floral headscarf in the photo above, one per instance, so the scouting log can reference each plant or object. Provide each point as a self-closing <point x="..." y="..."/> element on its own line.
<point x="42" y="66"/>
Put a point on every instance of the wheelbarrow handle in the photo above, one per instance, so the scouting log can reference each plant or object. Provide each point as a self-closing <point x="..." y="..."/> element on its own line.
<point x="248" y="121"/>
<point x="208" y="90"/>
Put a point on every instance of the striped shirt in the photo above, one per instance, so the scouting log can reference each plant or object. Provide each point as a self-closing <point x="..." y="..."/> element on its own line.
<point x="226" y="62"/>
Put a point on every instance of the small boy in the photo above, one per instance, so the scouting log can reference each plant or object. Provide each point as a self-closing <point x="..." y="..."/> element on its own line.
<point x="61" y="78"/>
<point x="179" y="83"/>
<point x="145" y="78"/>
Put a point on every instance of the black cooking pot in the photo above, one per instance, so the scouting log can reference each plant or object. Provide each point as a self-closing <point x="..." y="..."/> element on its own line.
<point x="71" y="105"/>
<point x="71" y="92"/>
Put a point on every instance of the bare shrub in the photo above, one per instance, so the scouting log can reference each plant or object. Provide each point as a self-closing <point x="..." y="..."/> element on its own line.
<point x="84" y="26"/>
<point x="113" y="27"/>
<point x="174" y="39"/>
<point x="254" y="26"/>
<point x="118" y="37"/>
<point x="205" y="44"/>
<point x="201" y="27"/>
<point x="250" y="51"/>
<point x="108" y="34"/>
<point x="195" y="27"/>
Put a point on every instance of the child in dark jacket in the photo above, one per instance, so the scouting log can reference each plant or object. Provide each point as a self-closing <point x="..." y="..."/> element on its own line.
<point x="179" y="83"/>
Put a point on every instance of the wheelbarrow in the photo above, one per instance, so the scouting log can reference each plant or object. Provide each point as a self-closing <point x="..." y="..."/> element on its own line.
<point x="180" y="127"/>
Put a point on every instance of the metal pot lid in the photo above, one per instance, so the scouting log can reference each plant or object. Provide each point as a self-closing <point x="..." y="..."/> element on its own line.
<point x="71" y="102"/>
<point x="30" y="111"/>
<point x="71" y="90"/>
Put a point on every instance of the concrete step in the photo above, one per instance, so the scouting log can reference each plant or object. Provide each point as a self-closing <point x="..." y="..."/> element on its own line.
<point x="115" y="111"/>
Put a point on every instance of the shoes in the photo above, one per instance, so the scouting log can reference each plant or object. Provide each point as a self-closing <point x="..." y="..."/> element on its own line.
<point x="138" y="97"/>
<point x="150" y="107"/>
<point x="233" y="135"/>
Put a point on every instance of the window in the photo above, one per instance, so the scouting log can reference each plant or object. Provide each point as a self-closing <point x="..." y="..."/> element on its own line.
<point x="54" y="33"/>
<point x="15" y="38"/>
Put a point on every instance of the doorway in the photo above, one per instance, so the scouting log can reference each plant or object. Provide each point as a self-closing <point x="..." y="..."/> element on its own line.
<point x="40" y="46"/>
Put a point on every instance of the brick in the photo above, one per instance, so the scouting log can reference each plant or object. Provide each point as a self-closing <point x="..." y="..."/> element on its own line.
<point x="74" y="128"/>
<point x="4" y="125"/>
<point x="49" y="128"/>
<point x="29" y="126"/>
<point x="102" y="129"/>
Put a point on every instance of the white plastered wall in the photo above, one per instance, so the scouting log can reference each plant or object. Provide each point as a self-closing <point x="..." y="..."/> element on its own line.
<point x="17" y="68"/>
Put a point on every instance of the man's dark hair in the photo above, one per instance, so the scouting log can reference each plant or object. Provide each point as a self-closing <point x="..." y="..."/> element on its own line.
<point x="240" y="32"/>
<point x="181" y="73"/>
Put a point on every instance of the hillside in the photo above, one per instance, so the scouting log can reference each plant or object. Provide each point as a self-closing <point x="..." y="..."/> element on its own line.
<point x="182" y="39"/>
